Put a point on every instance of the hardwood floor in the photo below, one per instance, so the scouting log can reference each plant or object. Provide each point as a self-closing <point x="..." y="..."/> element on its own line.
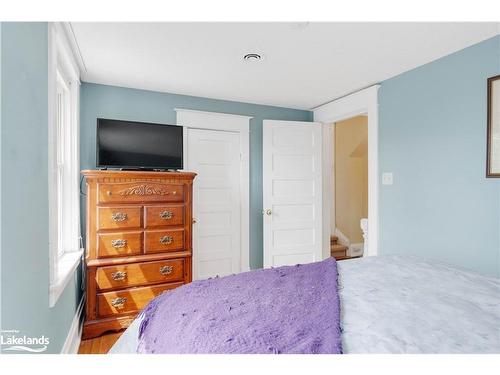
<point x="99" y="345"/>
<point x="347" y="257"/>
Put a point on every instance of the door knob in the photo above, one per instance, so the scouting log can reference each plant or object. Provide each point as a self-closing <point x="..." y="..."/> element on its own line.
<point x="268" y="212"/>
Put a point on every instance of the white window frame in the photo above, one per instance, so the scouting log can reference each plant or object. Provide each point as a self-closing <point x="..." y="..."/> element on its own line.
<point x="65" y="250"/>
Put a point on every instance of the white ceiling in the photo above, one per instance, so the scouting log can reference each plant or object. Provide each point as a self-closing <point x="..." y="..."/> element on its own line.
<point x="305" y="65"/>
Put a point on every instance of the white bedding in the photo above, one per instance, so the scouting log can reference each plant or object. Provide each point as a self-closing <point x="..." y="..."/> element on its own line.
<point x="395" y="304"/>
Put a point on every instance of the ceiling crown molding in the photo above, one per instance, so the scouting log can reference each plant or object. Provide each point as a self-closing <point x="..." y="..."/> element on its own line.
<point x="73" y="43"/>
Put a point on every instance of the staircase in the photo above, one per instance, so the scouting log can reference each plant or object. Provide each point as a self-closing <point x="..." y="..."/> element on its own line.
<point x="337" y="251"/>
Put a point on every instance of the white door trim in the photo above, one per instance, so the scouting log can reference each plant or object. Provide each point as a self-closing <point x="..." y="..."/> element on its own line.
<point x="193" y="119"/>
<point x="361" y="102"/>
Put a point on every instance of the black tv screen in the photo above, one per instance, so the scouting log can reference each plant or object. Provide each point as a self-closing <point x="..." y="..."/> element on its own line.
<point x="138" y="145"/>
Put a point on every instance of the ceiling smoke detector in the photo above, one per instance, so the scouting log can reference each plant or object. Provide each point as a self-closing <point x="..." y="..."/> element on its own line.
<point x="253" y="57"/>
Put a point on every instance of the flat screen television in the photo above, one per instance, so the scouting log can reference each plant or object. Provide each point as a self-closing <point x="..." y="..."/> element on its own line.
<point x="138" y="145"/>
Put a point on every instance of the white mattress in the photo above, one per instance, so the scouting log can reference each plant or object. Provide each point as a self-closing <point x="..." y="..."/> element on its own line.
<point x="395" y="304"/>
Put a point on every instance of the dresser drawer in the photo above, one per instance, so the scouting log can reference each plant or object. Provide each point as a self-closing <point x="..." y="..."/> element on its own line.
<point x="119" y="217"/>
<point x="157" y="216"/>
<point x="139" y="192"/>
<point x="129" y="300"/>
<point x="158" y="241"/>
<point x="119" y="244"/>
<point x="138" y="274"/>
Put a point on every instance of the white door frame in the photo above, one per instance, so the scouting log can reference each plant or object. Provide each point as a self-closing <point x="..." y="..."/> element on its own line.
<point x="193" y="119"/>
<point x="361" y="102"/>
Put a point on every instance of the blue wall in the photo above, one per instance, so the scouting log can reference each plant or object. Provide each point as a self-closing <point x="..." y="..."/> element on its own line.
<point x="140" y="105"/>
<point x="433" y="138"/>
<point x="24" y="190"/>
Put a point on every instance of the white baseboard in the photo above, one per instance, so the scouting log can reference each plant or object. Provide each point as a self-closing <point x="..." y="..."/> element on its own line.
<point x="73" y="339"/>
<point x="355" y="249"/>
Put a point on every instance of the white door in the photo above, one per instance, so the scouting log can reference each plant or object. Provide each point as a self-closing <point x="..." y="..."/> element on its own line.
<point x="292" y="188"/>
<point x="215" y="157"/>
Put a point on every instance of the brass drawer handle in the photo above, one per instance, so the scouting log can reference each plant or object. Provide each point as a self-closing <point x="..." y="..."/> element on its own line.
<point x="119" y="216"/>
<point x="118" y="302"/>
<point x="118" y="243"/>
<point x="166" y="270"/>
<point x="166" y="215"/>
<point x="166" y="240"/>
<point x="119" y="276"/>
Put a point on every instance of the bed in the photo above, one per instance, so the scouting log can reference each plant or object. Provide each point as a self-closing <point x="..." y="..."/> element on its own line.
<point x="398" y="304"/>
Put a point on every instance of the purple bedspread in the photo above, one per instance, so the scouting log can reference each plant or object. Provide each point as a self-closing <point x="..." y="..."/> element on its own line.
<point x="293" y="309"/>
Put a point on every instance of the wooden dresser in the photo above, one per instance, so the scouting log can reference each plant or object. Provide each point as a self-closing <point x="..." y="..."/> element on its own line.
<point x="138" y="243"/>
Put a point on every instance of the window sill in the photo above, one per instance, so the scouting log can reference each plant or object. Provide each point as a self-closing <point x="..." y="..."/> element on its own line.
<point x="66" y="266"/>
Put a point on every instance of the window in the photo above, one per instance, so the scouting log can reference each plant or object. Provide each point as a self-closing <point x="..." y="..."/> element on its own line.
<point x="64" y="220"/>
